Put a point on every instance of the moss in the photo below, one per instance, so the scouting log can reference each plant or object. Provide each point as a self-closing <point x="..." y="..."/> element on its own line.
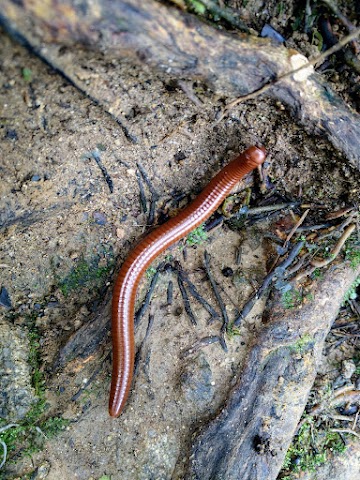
<point x="232" y="331"/>
<point x="310" y="448"/>
<point x="291" y="299"/>
<point x="34" y="361"/>
<point x="317" y="274"/>
<point x="302" y="344"/>
<point x="87" y="272"/>
<point x="150" y="272"/>
<point x="197" y="236"/>
<point x="30" y="433"/>
<point x="197" y="6"/>
<point x="295" y="298"/>
<point x="352" y="253"/>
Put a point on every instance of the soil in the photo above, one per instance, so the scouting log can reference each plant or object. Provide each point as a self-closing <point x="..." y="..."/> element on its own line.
<point x="70" y="212"/>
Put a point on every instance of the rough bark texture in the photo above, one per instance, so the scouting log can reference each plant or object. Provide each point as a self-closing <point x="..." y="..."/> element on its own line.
<point x="85" y="341"/>
<point x="251" y="435"/>
<point x="182" y="47"/>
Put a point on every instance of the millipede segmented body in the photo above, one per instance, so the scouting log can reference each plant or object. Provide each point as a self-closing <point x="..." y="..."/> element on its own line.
<point x="139" y="259"/>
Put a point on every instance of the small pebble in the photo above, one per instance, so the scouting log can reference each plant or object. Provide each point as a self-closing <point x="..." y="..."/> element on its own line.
<point x="269" y="32"/>
<point x="348" y="368"/>
<point x="4" y="298"/>
<point x="178" y="157"/>
<point x="11" y="134"/>
<point x="120" y="233"/>
<point x="99" y="218"/>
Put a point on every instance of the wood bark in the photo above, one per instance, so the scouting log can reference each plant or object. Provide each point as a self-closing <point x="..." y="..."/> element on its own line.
<point x="251" y="435"/>
<point x="181" y="47"/>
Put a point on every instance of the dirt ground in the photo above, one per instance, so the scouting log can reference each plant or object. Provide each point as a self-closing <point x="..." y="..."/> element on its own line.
<point x="70" y="212"/>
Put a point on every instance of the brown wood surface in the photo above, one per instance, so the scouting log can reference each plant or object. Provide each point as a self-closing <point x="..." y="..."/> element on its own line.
<point x="184" y="48"/>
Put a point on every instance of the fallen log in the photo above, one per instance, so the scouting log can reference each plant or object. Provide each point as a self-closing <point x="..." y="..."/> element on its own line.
<point x="251" y="435"/>
<point x="182" y="47"/>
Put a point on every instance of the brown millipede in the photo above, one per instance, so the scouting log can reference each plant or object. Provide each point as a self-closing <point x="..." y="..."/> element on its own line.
<point x="158" y="240"/>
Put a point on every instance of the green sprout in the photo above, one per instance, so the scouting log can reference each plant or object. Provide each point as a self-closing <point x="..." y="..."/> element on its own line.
<point x="27" y="74"/>
<point x="197" y="236"/>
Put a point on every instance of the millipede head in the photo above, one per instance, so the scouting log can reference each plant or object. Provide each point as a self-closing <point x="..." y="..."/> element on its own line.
<point x="255" y="156"/>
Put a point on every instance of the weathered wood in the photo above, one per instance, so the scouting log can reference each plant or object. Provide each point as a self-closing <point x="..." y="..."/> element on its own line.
<point x="183" y="47"/>
<point x="86" y="340"/>
<point x="250" y="437"/>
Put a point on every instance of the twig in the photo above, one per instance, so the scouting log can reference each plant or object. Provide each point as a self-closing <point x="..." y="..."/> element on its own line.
<point x="216" y="292"/>
<point x="344" y="20"/>
<point x="277" y="272"/>
<point x="217" y="220"/>
<point x="140" y="312"/>
<point x="312" y="62"/>
<point x="154" y="194"/>
<point x="129" y="136"/>
<point x="340" y="396"/>
<point x="194" y="292"/>
<point x="320" y="226"/>
<point x="142" y="193"/>
<point x="3" y="444"/>
<point x="103" y="170"/>
<point x="355" y="307"/>
<point x="142" y="346"/>
<point x="149" y="327"/>
<point x="188" y="90"/>
<point x="304" y="274"/>
<point x="11" y="425"/>
<point x="355" y="420"/>
<point x="316" y="263"/>
<point x="169" y="293"/>
<point x="343" y="418"/>
<point x="345" y="430"/>
<point x="336" y="250"/>
<point x="347" y="335"/>
<point x="296" y="226"/>
<point x="297" y="266"/>
<point x="338" y="213"/>
<point x="203" y="342"/>
<point x="213" y="223"/>
<point x="270" y="208"/>
<point x="238" y="255"/>
<point x="289" y="236"/>
<point x="345" y="325"/>
<point x="348" y="220"/>
<point x="336" y="344"/>
<point x="186" y="300"/>
<point x="222" y="342"/>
